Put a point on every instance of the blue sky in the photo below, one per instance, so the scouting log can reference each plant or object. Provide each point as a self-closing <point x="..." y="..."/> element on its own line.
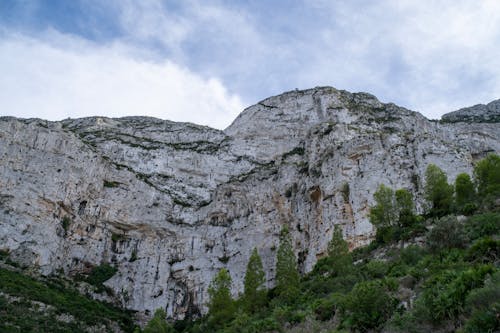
<point x="204" y="61"/>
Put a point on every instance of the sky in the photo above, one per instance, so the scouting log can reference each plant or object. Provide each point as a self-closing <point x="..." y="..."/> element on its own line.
<point x="205" y="61"/>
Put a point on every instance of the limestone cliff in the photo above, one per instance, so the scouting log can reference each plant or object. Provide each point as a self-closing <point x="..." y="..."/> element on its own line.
<point x="169" y="203"/>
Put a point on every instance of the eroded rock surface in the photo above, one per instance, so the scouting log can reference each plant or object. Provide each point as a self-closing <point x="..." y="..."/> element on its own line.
<point x="169" y="204"/>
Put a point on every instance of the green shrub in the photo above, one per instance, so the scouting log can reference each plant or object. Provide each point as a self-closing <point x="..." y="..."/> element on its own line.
<point x="367" y="306"/>
<point x="65" y="223"/>
<point x="446" y="234"/>
<point x="110" y="184"/>
<point x="484" y="306"/>
<point x="376" y="269"/>
<point x="445" y="293"/>
<point x="484" y="250"/>
<point x="158" y="324"/>
<point x="325" y="308"/>
<point x="63" y="299"/>
<point x="484" y="321"/>
<point x="99" y="275"/>
<point x="487" y="224"/>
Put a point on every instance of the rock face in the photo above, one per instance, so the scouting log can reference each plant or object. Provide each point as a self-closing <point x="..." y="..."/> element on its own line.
<point x="489" y="113"/>
<point x="169" y="204"/>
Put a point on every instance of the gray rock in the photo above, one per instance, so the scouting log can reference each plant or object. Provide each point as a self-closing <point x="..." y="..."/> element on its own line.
<point x="489" y="113"/>
<point x="169" y="204"/>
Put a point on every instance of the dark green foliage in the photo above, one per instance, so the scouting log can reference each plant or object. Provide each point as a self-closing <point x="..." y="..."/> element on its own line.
<point x="64" y="300"/>
<point x="254" y="295"/>
<point x="65" y="223"/>
<point x="111" y="184"/>
<point x="445" y="293"/>
<point x="437" y="191"/>
<point x="465" y="194"/>
<point x="325" y="308"/>
<point x="340" y="260"/>
<point x="383" y="214"/>
<point x="346" y="191"/>
<point x="406" y="214"/>
<point x="221" y="307"/>
<point x="117" y="237"/>
<point x="100" y="274"/>
<point x="158" y="324"/>
<point x="487" y="224"/>
<point x="484" y="306"/>
<point x="484" y="250"/>
<point x="368" y="306"/>
<point x="287" y="276"/>
<point x="447" y="233"/>
<point x="376" y="269"/>
<point x="133" y="256"/>
<point x="393" y="215"/>
<point x="487" y="177"/>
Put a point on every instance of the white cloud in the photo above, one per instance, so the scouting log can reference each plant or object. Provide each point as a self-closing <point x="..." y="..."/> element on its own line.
<point x="56" y="76"/>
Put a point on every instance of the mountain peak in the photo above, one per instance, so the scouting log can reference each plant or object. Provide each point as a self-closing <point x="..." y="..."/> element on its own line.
<point x="479" y="113"/>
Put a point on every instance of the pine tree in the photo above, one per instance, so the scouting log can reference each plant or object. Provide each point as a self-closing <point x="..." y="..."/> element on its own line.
<point x="437" y="191"/>
<point x="383" y="215"/>
<point x="221" y="307"/>
<point x="487" y="177"/>
<point x="465" y="194"/>
<point x="254" y="295"/>
<point x="406" y="215"/>
<point x="340" y="259"/>
<point x="287" y="276"/>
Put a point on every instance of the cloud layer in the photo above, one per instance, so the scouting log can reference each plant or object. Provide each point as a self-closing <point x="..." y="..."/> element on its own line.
<point x="202" y="61"/>
<point x="57" y="77"/>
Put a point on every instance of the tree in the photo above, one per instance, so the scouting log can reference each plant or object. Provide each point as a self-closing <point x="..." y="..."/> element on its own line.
<point x="338" y="252"/>
<point x="221" y="307"/>
<point x="254" y="295"/>
<point x="287" y="276"/>
<point x="487" y="177"/>
<point x="383" y="215"/>
<point x="464" y="194"/>
<point x="406" y="213"/>
<point x="158" y="323"/>
<point x="437" y="191"/>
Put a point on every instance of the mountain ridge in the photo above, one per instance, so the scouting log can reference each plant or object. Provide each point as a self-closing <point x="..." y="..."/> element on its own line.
<point x="170" y="203"/>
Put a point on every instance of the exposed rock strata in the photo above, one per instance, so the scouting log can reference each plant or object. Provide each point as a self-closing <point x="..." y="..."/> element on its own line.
<point x="171" y="203"/>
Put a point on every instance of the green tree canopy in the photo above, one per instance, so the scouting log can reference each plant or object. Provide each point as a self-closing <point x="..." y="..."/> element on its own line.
<point x="287" y="275"/>
<point x="437" y="191"/>
<point x="465" y="194"/>
<point x="221" y="307"/>
<point x="338" y="252"/>
<point x="383" y="214"/>
<point x="254" y="295"/>
<point x="487" y="177"/>
<point x="406" y="213"/>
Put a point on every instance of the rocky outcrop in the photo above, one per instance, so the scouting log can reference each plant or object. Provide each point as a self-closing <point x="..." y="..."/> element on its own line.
<point x="169" y="204"/>
<point x="480" y="113"/>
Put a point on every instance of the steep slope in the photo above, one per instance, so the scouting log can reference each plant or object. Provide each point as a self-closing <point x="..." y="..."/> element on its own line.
<point x="169" y="204"/>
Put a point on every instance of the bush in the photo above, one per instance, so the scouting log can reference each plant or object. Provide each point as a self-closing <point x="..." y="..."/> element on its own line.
<point x="376" y="269"/>
<point x="445" y="293"/>
<point x="367" y="306"/>
<point x="484" y="250"/>
<point x="484" y="306"/>
<point x="101" y="274"/>
<point x="446" y="234"/>
<point x="487" y="224"/>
